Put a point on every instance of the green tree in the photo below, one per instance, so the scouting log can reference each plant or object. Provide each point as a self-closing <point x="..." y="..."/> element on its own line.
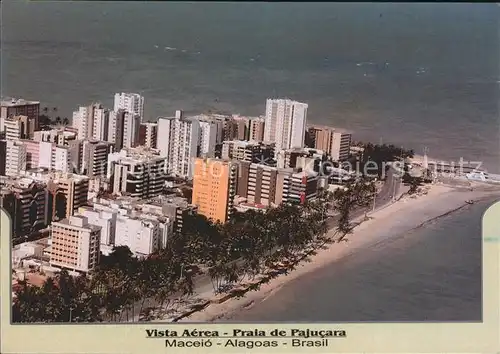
<point x="413" y="181"/>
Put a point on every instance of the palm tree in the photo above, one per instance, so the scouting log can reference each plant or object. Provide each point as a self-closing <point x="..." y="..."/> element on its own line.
<point x="58" y="120"/>
<point x="26" y="306"/>
<point x="51" y="301"/>
<point x="65" y="121"/>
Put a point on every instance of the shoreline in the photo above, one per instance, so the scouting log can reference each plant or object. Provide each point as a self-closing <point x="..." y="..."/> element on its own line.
<point x="381" y="227"/>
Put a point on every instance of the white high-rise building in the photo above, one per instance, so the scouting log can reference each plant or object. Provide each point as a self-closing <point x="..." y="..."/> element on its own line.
<point x="61" y="159"/>
<point x="130" y="102"/>
<point x="285" y="123"/>
<point x="103" y="218"/>
<point x="131" y="126"/>
<point x="84" y="120"/>
<point x="178" y="140"/>
<point x="13" y="129"/>
<point x="142" y="236"/>
<point x="16" y="158"/>
<point x="56" y="157"/>
<point x="208" y="139"/>
<point x="45" y="155"/>
<point x="101" y="122"/>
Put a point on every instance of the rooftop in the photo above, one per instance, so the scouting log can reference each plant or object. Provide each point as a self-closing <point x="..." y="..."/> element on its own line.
<point x="13" y="102"/>
<point x="45" y="175"/>
<point x="305" y="173"/>
<point x="138" y="154"/>
<point x="253" y="205"/>
<point x="210" y="117"/>
<point x="319" y="126"/>
<point x="303" y="150"/>
<point x="245" y="142"/>
<point x="77" y="221"/>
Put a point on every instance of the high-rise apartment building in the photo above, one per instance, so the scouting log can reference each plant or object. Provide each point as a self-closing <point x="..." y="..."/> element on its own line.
<point x="89" y="117"/>
<point x="265" y="186"/>
<point x="32" y="153"/>
<point x="3" y="156"/>
<point x="16" y="107"/>
<point x="137" y="173"/>
<point x="214" y="188"/>
<point x="208" y="139"/>
<point x="16" y="157"/>
<point x="262" y="184"/>
<point x="105" y="219"/>
<point x="70" y="192"/>
<point x="115" y="128"/>
<point x="256" y="129"/>
<point x="140" y="235"/>
<point x="236" y="128"/>
<point x="51" y="156"/>
<point x="95" y="158"/>
<point x="178" y="139"/>
<point x="285" y="123"/>
<point x="18" y="127"/>
<point x="218" y="120"/>
<point x="131" y="125"/>
<point x="61" y="159"/>
<point x="249" y="151"/>
<point x="123" y="129"/>
<point x="148" y="135"/>
<point x="169" y="211"/>
<point x="341" y="146"/>
<point x="304" y="158"/>
<point x="57" y="136"/>
<point x="303" y="187"/>
<point x="45" y="151"/>
<point x="75" y="244"/>
<point x="67" y="191"/>
<point x="26" y="201"/>
<point x="336" y="143"/>
<point x="132" y="103"/>
<point x="101" y="124"/>
<point x="76" y="152"/>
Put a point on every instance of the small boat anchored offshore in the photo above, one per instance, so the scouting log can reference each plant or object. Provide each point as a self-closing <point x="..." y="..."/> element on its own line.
<point x="469" y="201"/>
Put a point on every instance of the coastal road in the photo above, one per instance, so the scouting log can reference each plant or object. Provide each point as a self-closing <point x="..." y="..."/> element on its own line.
<point x="390" y="189"/>
<point x="389" y="192"/>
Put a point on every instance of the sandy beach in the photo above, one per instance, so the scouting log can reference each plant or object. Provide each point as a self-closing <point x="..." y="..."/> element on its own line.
<point x="394" y="219"/>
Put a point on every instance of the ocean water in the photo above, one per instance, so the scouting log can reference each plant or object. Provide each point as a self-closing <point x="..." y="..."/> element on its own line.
<point x="417" y="75"/>
<point x="433" y="273"/>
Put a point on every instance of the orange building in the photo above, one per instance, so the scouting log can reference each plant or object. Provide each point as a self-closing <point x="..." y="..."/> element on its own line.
<point x="214" y="187"/>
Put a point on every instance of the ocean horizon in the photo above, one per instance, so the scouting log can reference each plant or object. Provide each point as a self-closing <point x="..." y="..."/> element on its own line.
<point x="414" y="75"/>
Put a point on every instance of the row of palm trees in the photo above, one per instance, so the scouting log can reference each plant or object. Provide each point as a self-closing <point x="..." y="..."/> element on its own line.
<point x="123" y="287"/>
<point x="46" y="119"/>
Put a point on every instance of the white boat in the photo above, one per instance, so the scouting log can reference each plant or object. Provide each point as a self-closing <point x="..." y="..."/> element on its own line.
<point x="477" y="176"/>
